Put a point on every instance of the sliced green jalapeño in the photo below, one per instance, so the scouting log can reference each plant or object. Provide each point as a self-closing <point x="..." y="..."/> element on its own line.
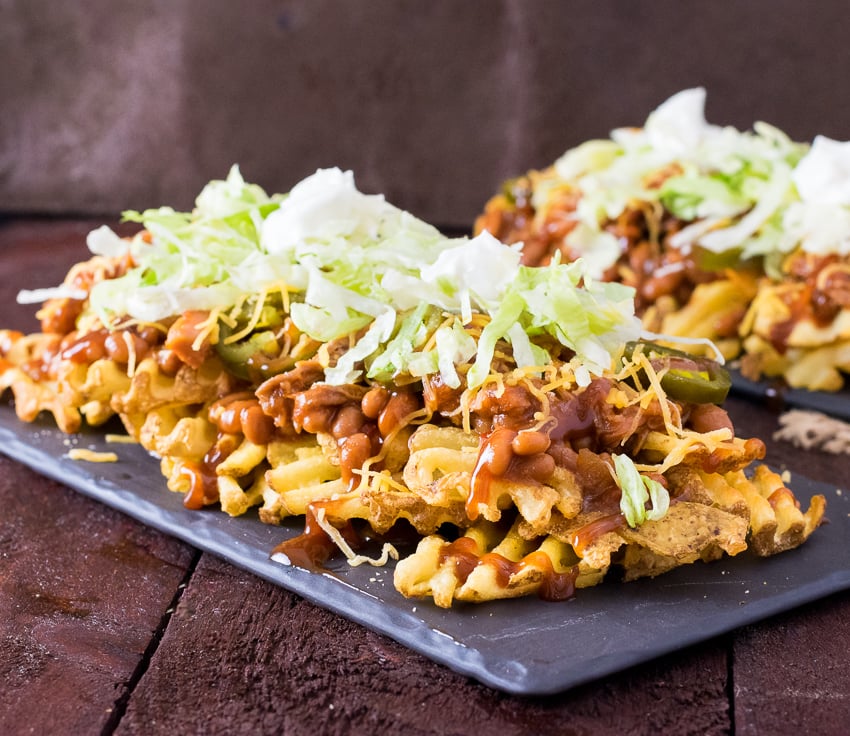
<point x="257" y="354"/>
<point x="685" y="377"/>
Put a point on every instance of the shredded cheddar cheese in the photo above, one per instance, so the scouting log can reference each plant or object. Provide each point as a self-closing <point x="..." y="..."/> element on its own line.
<point x="208" y="329"/>
<point x="91" y="456"/>
<point x="387" y="551"/>
<point x="252" y="322"/>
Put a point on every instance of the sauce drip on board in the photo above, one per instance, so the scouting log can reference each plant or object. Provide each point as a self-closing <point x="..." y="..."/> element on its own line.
<point x="313" y="547"/>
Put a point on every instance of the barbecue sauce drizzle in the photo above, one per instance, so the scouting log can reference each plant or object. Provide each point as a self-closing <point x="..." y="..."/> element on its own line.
<point x="313" y="547"/>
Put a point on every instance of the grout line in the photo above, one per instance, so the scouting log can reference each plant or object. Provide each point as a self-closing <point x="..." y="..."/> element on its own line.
<point x="120" y="706"/>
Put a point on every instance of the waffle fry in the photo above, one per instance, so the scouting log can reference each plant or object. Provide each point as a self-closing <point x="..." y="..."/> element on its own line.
<point x="485" y="565"/>
<point x="776" y="522"/>
<point x="23" y="361"/>
<point x="297" y="482"/>
<point x="707" y="314"/>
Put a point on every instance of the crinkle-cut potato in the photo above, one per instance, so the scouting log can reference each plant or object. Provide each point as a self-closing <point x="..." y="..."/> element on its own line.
<point x="529" y="480"/>
<point x="390" y="504"/>
<point x="428" y="484"/>
<point x="813" y="355"/>
<point x="103" y="380"/>
<point x="706" y="314"/>
<point x="175" y="432"/>
<point x="34" y="391"/>
<point x="776" y="522"/>
<point x="818" y="369"/>
<point x="701" y="450"/>
<point x="441" y="475"/>
<point x="771" y="308"/>
<point x="293" y="484"/>
<point x="150" y="388"/>
<point x="488" y="564"/>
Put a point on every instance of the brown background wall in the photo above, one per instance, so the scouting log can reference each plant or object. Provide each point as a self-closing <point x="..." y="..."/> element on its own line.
<point x="107" y="105"/>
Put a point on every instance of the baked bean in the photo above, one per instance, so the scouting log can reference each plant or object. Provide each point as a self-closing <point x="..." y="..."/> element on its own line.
<point x="117" y="346"/>
<point x="824" y="308"/>
<point x="708" y="417"/>
<point x="537" y="467"/>
<point x="374" y="401"/>
<point x="168" y="361"/>
<point x="241" y="413"/>
<point x="314" y="420"/>
<point x="497" y="453"/>
<point x="438" y="397"/>
<point x="512" y="407"/>
<point x="349" y="420"/>
<point x="657" y="286"/>
<point x="528" y="442"/>
<point x="316" y="408"/>
<point x="563" y="455"/>
<point x="86" y="349"/>
<point x="59" y="316"/>
<point x="182" y="335"/>
<point x="256" y="426"/>
<point x="151" y="335"/>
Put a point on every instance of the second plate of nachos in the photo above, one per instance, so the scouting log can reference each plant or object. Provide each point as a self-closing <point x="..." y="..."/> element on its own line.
<point x="742" y="237"/>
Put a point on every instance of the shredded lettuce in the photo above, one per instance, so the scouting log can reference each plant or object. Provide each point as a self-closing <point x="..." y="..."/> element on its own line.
<point x="353" y="263"/>
<point x="194" y="259"/>
<point x="413" y="329"/>
<point x="593" y="320"/>
<point x="754" y="193"/>
<point x="637" y="490"/>
<point x="377" y="334"/>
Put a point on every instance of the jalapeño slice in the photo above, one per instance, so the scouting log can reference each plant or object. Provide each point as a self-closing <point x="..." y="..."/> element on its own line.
<point x="251" y="355"/>
<point x="685" y="377"/>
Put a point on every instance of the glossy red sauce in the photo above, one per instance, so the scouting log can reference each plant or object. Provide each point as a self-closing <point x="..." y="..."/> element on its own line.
<point x="494" y="457"/>
<point x="313" y="547"/>
<point x="202" y="477"/>
<point x="183" y="334"/>
<point x="590" y="532"/>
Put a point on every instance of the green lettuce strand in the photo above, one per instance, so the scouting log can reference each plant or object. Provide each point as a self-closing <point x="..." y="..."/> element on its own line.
<point x="637" y="490"/>
<point x="396" y="356"/>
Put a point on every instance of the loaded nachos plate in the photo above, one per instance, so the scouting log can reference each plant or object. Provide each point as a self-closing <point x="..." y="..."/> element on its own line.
<point x="739" y="236"/>
<point x="326" y="357"/>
